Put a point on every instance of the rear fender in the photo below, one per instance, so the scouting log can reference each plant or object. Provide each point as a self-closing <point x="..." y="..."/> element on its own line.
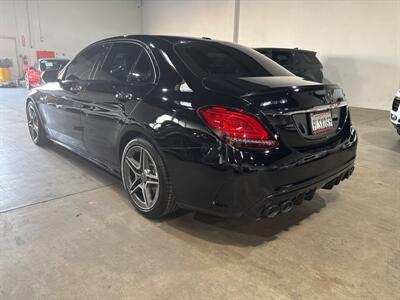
<point x="133" y="131"/>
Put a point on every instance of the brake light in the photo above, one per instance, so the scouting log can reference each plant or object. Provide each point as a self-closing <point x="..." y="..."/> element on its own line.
<point x="237" y="128"/>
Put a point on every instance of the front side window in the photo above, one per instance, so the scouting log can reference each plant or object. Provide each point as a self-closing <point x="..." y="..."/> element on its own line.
<point x="225" y="60"/>
<point x="127" y="62"/>
<point x="82" y="65"/>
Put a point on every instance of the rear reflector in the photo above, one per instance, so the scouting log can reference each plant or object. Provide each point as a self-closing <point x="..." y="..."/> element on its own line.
<point x="237" y="128"/>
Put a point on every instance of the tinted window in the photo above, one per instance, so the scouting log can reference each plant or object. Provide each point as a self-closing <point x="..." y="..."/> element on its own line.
<point x="284" y="58"/>
<point x="220" y="59"/>
<point x="264" y="52"/>
<point x="46" y="65"/>
<point x="127" y="62"/>
<point x="82" y="65"/>
<point x="309" y="57"/>
<point x="142" y="72"/>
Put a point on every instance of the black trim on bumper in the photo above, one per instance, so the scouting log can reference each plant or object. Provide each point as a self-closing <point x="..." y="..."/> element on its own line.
<point x="306" y="192"/>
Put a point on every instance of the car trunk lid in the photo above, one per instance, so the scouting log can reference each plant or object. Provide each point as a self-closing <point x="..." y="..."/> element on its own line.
<point x="291" y="106"/>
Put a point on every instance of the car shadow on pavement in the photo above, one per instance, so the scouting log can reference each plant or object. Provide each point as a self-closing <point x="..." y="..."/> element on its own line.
<point x="241" y="232"/>
<point x="81" y="164"/>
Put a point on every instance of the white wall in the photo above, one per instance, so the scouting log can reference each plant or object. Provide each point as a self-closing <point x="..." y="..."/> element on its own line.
<point x="358" y="41"/>
<point x="66" y="26"/>
<point x="197" y="18"/>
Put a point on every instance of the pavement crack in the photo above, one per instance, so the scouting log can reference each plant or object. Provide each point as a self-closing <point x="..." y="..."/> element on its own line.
<point x="53" y="199"/>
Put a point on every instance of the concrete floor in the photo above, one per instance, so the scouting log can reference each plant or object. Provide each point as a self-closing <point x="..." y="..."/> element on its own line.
<point x="67" y="231"/>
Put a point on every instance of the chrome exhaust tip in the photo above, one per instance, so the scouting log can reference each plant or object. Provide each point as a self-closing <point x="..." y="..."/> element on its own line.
<point x="271" y="211"/>
<point x="286" y="206"/>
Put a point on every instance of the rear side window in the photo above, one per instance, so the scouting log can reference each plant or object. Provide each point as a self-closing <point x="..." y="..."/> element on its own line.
<point x="142" y="72"/>
<point x="264" y="52"/>
<point x="227" y="60"/>
<point x="82" y="65"/>
<point x="284" y="58"/>
<point x="127" y="62"/>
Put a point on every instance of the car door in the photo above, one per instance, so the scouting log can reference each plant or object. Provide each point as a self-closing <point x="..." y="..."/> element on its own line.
<point x="63" y="104"/>
<point x="124" y="78"/>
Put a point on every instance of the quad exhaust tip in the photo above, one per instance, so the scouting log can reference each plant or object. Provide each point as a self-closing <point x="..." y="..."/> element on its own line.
<point x="286" y="206"/>
<point x="273" y="210"/>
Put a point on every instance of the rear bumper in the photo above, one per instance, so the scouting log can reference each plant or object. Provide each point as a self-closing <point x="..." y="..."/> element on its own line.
<point x="301" y="192"/>
<point x="246" y="188"/>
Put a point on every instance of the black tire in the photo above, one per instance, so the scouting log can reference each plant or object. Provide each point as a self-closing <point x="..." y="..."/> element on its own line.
<point x="165" y="202"/>
<point x="35" y="126"/>
<point x="398" y="131"/>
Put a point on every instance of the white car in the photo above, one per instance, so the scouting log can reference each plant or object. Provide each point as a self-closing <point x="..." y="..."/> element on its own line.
<point x="395" y="112"/>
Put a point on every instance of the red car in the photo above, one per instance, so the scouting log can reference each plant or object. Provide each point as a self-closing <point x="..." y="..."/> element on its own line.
<point x="33" y="74"/>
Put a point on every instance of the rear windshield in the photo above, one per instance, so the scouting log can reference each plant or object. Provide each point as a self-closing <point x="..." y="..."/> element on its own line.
<point x="207" y="59"/>
<point x="309" y="57"/>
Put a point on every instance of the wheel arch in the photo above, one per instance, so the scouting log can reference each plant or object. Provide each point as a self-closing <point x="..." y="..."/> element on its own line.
<point x="31" y="99"/>
<point x="136" y="132"/>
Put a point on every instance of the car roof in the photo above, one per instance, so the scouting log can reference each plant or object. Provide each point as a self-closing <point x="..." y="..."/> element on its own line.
<point x="52" y="58"/>
<point x="147" y="38"/>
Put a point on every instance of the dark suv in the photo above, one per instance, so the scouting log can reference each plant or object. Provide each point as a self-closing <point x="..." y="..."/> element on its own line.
<point x="303" y="63"/>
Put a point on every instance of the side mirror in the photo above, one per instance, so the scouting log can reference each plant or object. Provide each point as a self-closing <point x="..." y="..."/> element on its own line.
<point x="49" y="76"/>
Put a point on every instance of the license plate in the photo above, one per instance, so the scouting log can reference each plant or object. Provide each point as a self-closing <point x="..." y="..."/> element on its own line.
<point x="321" y="122"/>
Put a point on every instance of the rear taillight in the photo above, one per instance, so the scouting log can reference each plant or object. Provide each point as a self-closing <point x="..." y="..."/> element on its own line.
<point x="237" y="128"/>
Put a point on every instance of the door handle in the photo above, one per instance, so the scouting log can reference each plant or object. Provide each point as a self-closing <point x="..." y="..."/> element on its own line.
<point x="123" y="96"/>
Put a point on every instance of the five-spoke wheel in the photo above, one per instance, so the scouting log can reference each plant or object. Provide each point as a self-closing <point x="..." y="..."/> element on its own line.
<point x="140" y="172"/>
<point x="146" y="180"/>
<point x="33" y="123"/>
<point x="35" y="127"/>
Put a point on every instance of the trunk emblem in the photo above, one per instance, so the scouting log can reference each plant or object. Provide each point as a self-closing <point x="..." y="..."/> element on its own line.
<point x="273" y="102"/>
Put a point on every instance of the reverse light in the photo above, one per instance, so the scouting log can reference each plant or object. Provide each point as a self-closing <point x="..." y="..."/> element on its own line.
<point x="237" y="128"/>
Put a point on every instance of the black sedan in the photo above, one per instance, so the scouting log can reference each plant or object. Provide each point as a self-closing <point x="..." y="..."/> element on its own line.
<point x="196" y="123"/>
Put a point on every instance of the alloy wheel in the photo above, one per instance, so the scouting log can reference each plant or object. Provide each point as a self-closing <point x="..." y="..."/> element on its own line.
<point x="141" y="177"/>
<point x="33" y="123"/>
